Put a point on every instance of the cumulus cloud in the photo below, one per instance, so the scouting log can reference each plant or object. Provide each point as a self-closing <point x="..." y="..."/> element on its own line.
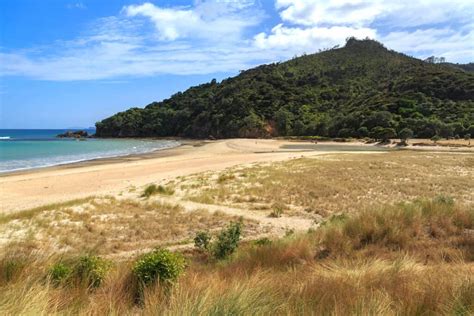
<point x="453" y="45"/>
<point x="212" y="20"/>
<point x="421" y="28"/>
<point x="308" y="39"/>
<point x="314" y="12"/>
<point x="364" y="12"/>
<point x="222" y="36"/>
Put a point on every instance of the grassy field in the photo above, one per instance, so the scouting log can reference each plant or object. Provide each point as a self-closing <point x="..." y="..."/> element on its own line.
<point x="335" y="183"/>
<point x="107" y="226"/>
<point x="394" y="236"/>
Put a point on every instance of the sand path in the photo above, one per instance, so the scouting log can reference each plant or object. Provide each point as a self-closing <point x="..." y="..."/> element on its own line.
<point x="268" y="226"/>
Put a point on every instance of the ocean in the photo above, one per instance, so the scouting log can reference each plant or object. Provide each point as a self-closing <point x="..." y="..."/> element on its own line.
<point x="22" y="149"/>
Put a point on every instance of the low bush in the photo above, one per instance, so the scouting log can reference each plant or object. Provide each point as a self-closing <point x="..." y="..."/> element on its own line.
<point x="153" y="189"/>
<point x="91" y="270"/>
<point x="59" y="273"/>
<point x="202" y="240"/>
<point x="159" y="265"/>
<point x="165" y="190"/>
<point x="150" y="190"/>
<point x="227" y="241"/>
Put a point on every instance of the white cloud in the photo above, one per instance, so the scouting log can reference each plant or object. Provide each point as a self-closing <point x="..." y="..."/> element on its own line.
<point x="453" y="45"/>
<point x="299" y="40"/>
<point x="345" y="12"/>
<point x="211" y="20"/>
<point x="205" y="38"/>
<point x="401" y="13"/>
<point x="220" y="36"/>
<point x="419" y="28"/>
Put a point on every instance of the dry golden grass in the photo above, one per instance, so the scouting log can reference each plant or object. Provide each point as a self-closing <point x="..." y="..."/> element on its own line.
<point x="443" y="142"/>
<point x="107" y="226"/>
<point x="334" y="183"/>
<point x="397" y="239"/>
<point x="289" y="276"/>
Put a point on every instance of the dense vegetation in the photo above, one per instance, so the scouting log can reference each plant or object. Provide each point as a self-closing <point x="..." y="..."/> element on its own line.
<point x="359" y="90"/>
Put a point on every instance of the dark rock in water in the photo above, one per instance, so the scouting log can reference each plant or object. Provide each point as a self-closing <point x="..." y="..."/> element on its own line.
<point x="74" y="134"/>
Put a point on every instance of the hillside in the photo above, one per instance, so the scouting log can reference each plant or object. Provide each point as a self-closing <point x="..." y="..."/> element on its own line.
<point x="466" y="67"/>
<point x="361" y="89"/>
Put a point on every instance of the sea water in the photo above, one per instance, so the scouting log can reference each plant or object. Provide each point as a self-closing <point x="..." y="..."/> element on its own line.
<point x="27" y="149"/>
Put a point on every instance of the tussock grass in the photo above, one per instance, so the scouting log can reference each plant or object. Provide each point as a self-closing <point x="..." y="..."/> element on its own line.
<point x="356" y="264"/>
<point x="153" y="189"/>
<point x="431" y="230"/>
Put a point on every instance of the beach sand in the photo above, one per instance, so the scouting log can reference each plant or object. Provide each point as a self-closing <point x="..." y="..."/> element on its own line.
<point x="29" y="189"/>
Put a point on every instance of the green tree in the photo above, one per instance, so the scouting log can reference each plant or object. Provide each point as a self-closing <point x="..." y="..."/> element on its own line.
<point x="446" y="131"/>
<point x="284" y="121"/>
<point x="405" y="134"/>
<point x="383" y="133"/>
<point x="363" y="131"/>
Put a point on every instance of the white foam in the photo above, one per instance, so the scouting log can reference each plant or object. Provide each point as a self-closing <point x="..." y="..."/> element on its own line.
<point x="18" y="165"/>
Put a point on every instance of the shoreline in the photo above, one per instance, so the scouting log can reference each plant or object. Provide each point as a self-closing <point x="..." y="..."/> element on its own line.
<point x="167" y="151"/>
<point x="98" y="160"/>
<point x="119" y="176"/>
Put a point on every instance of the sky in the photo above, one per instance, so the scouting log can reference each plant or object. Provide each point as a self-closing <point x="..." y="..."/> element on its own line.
<point x="71" y="63"/>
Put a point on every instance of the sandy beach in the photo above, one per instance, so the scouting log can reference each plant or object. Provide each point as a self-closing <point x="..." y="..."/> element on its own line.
<point x="33" y="188"/>
<point x="29" y="189"/>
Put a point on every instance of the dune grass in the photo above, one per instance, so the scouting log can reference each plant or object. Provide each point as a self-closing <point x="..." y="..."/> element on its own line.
<point x="403" y="259"/>
<point x="107" y="226"/>
<point x="153" y="189"/>
<point x="327" y="184"/>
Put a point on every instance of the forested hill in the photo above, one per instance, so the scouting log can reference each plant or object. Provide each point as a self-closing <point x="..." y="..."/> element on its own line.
<point x="361" y="89"/>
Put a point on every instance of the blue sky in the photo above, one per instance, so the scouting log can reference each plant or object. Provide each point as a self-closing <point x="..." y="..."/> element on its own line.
<point x="71" y="63"/>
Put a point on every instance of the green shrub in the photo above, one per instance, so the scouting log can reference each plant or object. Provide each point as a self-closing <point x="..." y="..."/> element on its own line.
<point x="153" y="189"/>
<point x="150" y="190"/>
<point x="91" y="270"/>
<point x="59" y="273"/>
<point x="202" y="240"/>
<point x="159" y="265"/>
<point x="164" y="190"/>
<point x="227" y="240"/>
